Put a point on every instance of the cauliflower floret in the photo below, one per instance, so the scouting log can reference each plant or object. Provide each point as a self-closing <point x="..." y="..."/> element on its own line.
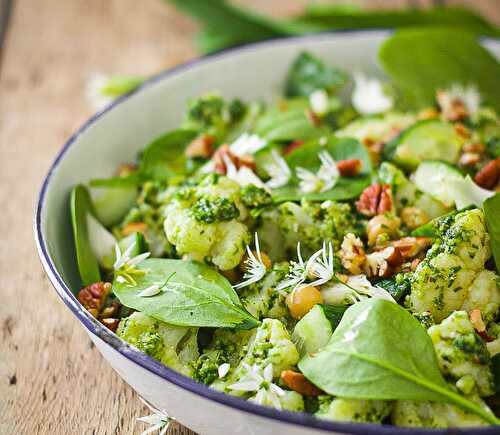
<point x="313" y="223"/>
<point x="261" y="298"/>
<point x="440" y="283"/>
<point x="355" y="410"/>
<point x="203" y="222"/>
<point x="292" y="401"/>
<point x="484" y="294"/>
<point x="408" y="413"/>
<point x="174" y="346"/>
<point x="462" y="355"/>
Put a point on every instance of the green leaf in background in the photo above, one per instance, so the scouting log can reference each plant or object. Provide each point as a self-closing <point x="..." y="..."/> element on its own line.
<point x="115" y="86"/>
<point x="331" y="17"/>
<point x="306" y="156"/>
<point x="81" y="205"/>
<point x="492" y="217"/>
<point x="420" y="61"/>
<point x="334" y="314"/>
<point x="380" y="351"/>
<point x="308" y="73"/>
<point x="194" y="295"/>
<point x="164" y="157"/>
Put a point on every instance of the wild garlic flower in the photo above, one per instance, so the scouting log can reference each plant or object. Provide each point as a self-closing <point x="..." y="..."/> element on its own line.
<point x="155" y="288"/>
<point x="255" y="269"/>
<point x="355" y="289"/>
<point x="368" y="96"/>
<point x="159" y="420"/>
<point x="247" y="144"/>
<point x="261" y="382"/>
<point x="278" y="170"/>
<point x="318" y="101"/>
<point x="469" y="95"/>
<point x="327" y="176"/>
<point x="125" y="266"/>
<point x="102" y="89"/>
<point x="321" y="265"/>
<point x="296" y="275"/>
<point x="243" y="176"/>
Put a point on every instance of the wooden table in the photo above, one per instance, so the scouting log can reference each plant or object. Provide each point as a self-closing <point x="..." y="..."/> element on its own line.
<point x="52" y="380"/>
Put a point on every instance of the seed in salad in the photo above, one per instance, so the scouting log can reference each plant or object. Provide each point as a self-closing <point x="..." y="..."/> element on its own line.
<point x="302" y="299"/>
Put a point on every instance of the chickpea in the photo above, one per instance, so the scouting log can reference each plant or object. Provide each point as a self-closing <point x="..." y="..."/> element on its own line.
<point x="382" y="226"/>
<point x="413" y="217"/>
<point x="301" y="300"/>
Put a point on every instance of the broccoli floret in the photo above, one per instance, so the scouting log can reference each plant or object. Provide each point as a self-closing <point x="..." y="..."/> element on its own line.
<point x="255" y="198"/>
<point x="355" y="410"/>
<point x="210" y="210"/>
<point x="223" y="241"/>
<point x="462" y="355"/>
<point x="408" y="413"/>
<point x="174" y="346"/>
<point x="313" y="223"/>
<point x="213" y="115"/>
<point x="261" y="298"/>
<point x="441" y="281"/>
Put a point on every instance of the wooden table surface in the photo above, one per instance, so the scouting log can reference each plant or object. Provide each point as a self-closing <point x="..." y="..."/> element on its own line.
<point x="52" y="380"/>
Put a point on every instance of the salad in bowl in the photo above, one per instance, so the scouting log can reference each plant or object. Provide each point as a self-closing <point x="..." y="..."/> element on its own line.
<point x="335" y="252"/>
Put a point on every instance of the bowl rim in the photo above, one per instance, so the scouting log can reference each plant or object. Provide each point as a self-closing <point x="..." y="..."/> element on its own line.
<point x="135" y="356"/>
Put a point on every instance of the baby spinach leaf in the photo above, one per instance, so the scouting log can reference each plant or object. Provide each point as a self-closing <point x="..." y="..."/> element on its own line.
<point x="306" y="156"/>
<point x="420" y="61"/>
<point x="81" y="205"/>
<point x="308" y="73"/>
<point x="491" y="209"/>
<point x="164" y="157"/>
<point x="334" y="313"/>
<point x="380" y="351"/>
<point x="397" y="289"/>
<point x="194" y="295"/>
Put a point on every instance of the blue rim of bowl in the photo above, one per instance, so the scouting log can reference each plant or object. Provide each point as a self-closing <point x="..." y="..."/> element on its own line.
<point x="148" y="363"/>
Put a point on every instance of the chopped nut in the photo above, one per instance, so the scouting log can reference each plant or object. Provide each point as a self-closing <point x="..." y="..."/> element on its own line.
<point x="375" y="199"/>
<point x="409" y="247"/>
<point x="110" y="311"/>
<point x="111" y="324"/>
<point x="461" y="130"/>
<point x="134" y="227"/>
<point x="224" y="151"/>
<point x="292" y="146"/>
<point x="452" y="109"/>
<point x="296" y="381"/>
<point x="489" y="175"/>
<point x="92" y="297"/>
<point x="383" y="263"/>
<point x="201" y="146"/>
<point x="349" y="168"/>
<point x="352" y="253"/>
<point x="477" y="320"/>
<point x="313" y="117"/>
<point x="429" y="113"/>
<point x="382" y="226"/>
<point x="413" y="217"/>
<point x="474" y="147"/>
<point x="469" y="159"/>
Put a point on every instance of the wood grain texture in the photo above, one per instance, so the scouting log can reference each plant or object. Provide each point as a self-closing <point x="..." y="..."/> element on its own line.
<point x="52" y="381"/>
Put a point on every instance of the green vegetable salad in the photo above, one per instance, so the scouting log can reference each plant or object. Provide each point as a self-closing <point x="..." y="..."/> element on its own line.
<point x="334" y="252"/>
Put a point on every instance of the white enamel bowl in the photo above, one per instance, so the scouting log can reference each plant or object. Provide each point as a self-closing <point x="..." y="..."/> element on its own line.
<point x="115" y="135"/>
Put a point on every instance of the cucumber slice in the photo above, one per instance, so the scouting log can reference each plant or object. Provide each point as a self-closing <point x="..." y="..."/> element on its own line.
<point x="427" y="140"/>
<point x="436" y="179"/>
<point x="112" y="203"/>
<point x="313" y="331"/>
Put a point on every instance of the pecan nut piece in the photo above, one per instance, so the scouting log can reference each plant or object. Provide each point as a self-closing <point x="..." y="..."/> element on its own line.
<point x="292" y="146"/>
<point x="452" y="109"/>
<point x="349" y="168"/>
<point x="489" y="175"/>
<point x="93" y="296"/>
<point x="111" y="323"/>
<point x="134" y="227"/>
<point x="297" y="382"/>
<point x="223" y="154"/>
<point x="410" y="247"/>
<point x="375" y="199"/>
<point x="201" y="146"/>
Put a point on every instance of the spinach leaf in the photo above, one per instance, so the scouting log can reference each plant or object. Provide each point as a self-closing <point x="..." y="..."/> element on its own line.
<point x="434" y="226"/>
<point x="81" y="205"/>
<point x="307" y="157"/>
<point x="380" y="351"/>
<point x="491" y="209"/>
<point x="194" y="295"/>
<point x="397" y="288"/>
<point x="308" y="73"/>
<point x="334" y="313"/>
<point x="420" y="61"/>
<point x="164" y="157"/>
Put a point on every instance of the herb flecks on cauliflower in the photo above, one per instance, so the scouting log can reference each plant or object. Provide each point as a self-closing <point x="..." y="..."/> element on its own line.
<point x="355" y="410"/>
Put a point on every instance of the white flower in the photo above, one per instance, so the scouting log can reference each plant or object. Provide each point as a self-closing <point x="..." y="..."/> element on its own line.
<point x="247" y="144"/>
<point x="243" y="176"/>
<point x="318" y="101"/>
<point x="278" y="170"/>
<point x="159" y="420"/>
<point x="320" y="265"/>
<point x="223" y="370"/>
<point x="297" y="274"/>
<point x="327" y="176"/>
<point x="356" y="289"/>
<point x="261" y="382"/>
<point x="125" y="266"/>
<point x="368" y="96"/>
<point x="256" y="269"/>
<point x="309" y="181"/>
<point x="152" y="290"/>
<point x="465" y="192"/>
<point x="469" y="95"/>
